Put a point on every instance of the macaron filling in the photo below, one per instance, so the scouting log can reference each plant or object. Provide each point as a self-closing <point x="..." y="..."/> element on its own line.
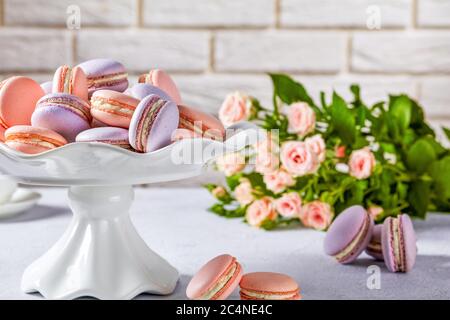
<point x="374" y="247"/>
<point x="106" y="80"/>
<point x="199" y="128"/>
<point x="397" y="244"/>
<point x="353" y="245"/>
<point x="112" y="106"/>
<point x="34" y="139"/>
<point x="221" y="284"/>
<point x="146" y="121"/>
<point x="65" y="84"/>
<point x="76" y="106"/>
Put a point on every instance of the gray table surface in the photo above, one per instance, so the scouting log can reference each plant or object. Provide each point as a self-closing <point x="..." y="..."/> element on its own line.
<point x="175" y="223"/>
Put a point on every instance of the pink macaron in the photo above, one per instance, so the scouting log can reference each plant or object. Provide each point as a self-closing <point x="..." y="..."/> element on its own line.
<point x="63" y="113"/>
<point x="398" y="240"/>
<point x="162" y="80"/>
<point x="268" y="286"/>
<point x="110" y="135"/>
<point x="18" y="97"/>
<point x="113" y="108"/>
<point x="72" y="81"/>
<point x="33" y="140"/>
<point x="200" y="123"/>
<point x="153" y="123"/>
<point x="216" y="280"/>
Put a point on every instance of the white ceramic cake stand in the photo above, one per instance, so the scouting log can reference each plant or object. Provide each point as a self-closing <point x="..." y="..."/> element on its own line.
<point x="101" y="254"/>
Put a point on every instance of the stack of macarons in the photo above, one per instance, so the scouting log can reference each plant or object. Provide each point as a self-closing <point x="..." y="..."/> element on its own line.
<point x="353" y="232"/>
<point x="92" y="102"/>
<point x="220" y="276"/>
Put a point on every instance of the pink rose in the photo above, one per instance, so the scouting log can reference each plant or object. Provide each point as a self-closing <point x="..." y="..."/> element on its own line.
<point x="218" y="192"/>
<point x="318" y="146"/>
<point x="375" y="212"/>
<point x="278" y="181"/>
<point x="298" y="158"/>
<point x="361" y="163"/>
<point x="302" y="118"/>
<point x="259" y="211"/>
<point x="243" y="192"/>
<point x="317" y="215"/>
<point x="266" y="162"/>
<point x="235" y="108"/>
<point x="339" y="151"/>
<point x="231" y="163"/>
<point x="289" y="205"/>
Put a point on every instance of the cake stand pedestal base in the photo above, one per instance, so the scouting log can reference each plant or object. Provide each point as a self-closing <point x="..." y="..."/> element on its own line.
<point x="101" y="254"/>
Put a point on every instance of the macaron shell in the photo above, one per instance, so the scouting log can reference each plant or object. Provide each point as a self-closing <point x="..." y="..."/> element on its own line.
<point x="103" y="67"/>
<point x="165" y="124"/>
<point x="268" y="282"/>
<point x="142" y="90"/>
<point x="113" y="119"/>
<point x="163" y="81"/>
<point x="78" y="82"/>
<point x="376" y="239"/>
<point x="344" y="229"/>
<point x="387" y="246"/>
<point x="18" y="97"/>
<point x="26" y="148"/>
<point x="32" y="148"/>
<point x="103" y="134"/>
<point x="47" y="87"/>
<point x="208" y="275"/>
<point x="206" y="121"/>
<point x="409" y="241"/>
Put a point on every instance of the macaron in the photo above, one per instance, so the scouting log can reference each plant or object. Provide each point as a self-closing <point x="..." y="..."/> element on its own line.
<point x="70" y="80"/>
<point x="63" y="113"/>
<point x="201" y="123"/>
<point x="162" y="80"/>
<point x="47" y="87"/>
<point x="113" y="108"/>
<point x="349" y="234"/>
<point x="374" y="248"/>
<point x="18" y="97"/>
<point x="110" y="135"/>
<point x="141" y="90"/>
<point x="181" y="134"/>
<point x="216" y="280"/>
<point x="105" y="74"/>
<point x="33" y="140"/>
<point x="268" y="286"/>
<point x="398" y="241"/>
<point x="153" y="123"/>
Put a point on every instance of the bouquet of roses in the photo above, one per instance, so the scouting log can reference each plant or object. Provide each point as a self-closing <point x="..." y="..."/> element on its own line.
<point x="319" y="158"/>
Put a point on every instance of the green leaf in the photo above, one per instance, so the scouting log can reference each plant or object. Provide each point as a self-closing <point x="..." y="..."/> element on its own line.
<point x="400" y="107"/>
<point x="355" y="89"/>
<point x="220" y="210"/>
<point x="288" y="90"/>
<point x="447" y="132"/>
<point x="343" y="120"/>
<point x="419" y="198"/>
<point x="233" y="181"/>
<point x="440" y="173"/>
<point x="420" y="156"/>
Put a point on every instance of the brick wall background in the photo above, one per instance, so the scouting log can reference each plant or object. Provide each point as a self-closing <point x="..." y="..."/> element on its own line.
<point x="212" y="47"/>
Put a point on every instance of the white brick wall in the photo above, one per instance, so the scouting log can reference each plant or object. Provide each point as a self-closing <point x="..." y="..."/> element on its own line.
<point x="213" y="47"/>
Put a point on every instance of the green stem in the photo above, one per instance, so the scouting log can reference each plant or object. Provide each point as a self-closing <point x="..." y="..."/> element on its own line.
<point x="276" y="111"/>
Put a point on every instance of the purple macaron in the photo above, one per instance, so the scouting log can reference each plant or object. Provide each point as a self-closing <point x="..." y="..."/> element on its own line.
<point x="153" y="123"/>
<point x="374" y="248"/>
<point x="47" y="87"/>
<point x="110" y="135"/>
<point x="105" y="74"/>
<point x="349" y="234"/>
<point x="398" y="241"/>
<point x="63" y="113"/>
<point x="141" y="90"/>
